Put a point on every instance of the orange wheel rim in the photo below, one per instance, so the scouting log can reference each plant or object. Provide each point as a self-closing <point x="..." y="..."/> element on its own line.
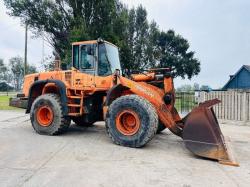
<point x="128" y="122"/>
<point x="44" y="116"/>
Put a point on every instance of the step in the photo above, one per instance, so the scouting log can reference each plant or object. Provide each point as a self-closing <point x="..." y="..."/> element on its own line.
<point x="74" y="97"/>
<point x="74" y="114"/>
<point x="74" y="105"/>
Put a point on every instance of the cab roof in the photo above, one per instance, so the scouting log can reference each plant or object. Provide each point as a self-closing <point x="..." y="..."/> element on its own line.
<point x="91" y="42"/>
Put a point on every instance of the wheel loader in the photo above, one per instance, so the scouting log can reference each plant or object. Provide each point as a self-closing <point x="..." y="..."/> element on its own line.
<point x="134" y="105"/>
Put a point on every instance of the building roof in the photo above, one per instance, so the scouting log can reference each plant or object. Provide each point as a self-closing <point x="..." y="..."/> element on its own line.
<point x="247" y="67"/>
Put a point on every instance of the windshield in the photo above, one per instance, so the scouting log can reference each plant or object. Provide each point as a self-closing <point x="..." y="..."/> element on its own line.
<point x="108" y="59"/>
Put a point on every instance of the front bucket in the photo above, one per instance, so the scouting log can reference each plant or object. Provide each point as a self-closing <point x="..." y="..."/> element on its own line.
<point x="202" y="134"/>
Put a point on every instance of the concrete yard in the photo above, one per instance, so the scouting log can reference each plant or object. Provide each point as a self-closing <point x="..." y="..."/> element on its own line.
<point x="87" y="157"/>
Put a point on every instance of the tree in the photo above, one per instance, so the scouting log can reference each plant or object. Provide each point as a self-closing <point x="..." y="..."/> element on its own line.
<point x="206" y="88"/>
<point x="141" y="38"/>
<point x="152" y="51"/>
<point x="5" y="87"/>
<point x="141" y="43"/>
<point x="5" y="77"/>
<point x="174" y="54"/>
<point x="196" y="86"/>
<point x="31" y="69"/>
<point x="16" y="65"/>
<point x="64" y="20"/>
<point x="48" y="16"/>
<point x="185" y="88"/>
<point x="48" y="64"/>
<point x="3" y="71"/>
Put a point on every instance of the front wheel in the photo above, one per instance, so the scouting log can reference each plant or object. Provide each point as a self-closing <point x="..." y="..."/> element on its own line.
<point x="47" y="116"/>
<point x="131" y="121"/>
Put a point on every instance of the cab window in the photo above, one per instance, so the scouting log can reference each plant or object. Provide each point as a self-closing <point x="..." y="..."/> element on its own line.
<point x="76" y="56"/>
<point x="103" y="62"/>
<point x="87" y="57"/>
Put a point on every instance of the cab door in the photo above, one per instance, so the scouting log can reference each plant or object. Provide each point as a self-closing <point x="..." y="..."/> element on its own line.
<point x="104" y="78"/>
<point x="86" y="66"/>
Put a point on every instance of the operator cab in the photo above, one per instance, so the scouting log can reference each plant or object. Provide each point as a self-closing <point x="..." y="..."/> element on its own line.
<point x="96" y="57"/>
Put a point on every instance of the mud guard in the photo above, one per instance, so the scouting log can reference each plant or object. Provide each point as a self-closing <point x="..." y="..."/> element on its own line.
<point x="113" y="93"/>
<point x="40" y="83"/>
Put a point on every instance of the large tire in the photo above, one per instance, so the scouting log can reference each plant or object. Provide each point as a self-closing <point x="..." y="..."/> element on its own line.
<point x="131" y="121"/>
<point x="47" y="116"/>
<point x="161" y="127"/>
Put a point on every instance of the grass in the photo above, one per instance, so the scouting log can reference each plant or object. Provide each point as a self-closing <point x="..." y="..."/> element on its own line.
<point x="4" y="103"/>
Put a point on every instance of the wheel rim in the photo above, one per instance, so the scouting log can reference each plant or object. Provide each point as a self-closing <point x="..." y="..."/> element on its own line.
<point x="128" y="122"/>
<point x="44" y="116"/>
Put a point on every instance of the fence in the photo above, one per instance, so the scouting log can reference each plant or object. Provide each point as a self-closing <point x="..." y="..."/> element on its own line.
<point x="235" y="105"/>
<point x="185" y="102"/>
<point x="10" y="94"/>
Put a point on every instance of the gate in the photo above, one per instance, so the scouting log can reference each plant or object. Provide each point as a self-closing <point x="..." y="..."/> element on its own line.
<point x="185" y="102"/>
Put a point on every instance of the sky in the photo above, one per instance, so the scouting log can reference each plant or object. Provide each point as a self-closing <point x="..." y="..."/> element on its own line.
<point x="217" y="30"/>
<point x="12" y="37"/>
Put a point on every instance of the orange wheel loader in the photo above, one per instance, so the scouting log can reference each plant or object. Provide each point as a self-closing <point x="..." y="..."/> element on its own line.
<point x="134" y="106"/>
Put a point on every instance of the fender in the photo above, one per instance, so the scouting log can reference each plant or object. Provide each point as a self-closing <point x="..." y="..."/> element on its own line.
<point x="155" y="96"/>
<point x="38" y="85"/>
<point x="113" y="93"/>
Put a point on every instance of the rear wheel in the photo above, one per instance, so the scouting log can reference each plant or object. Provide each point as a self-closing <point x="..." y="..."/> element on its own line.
<point x="47" y="116"/>
<point x="131" y="121"/>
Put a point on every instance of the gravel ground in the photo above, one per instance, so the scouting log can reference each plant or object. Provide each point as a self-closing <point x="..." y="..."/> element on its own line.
<point x="87" y="157"/>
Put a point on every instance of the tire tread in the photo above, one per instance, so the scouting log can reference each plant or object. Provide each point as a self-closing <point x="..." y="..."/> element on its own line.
<point x="64" y="121"/>
<point x="152" y="112"/>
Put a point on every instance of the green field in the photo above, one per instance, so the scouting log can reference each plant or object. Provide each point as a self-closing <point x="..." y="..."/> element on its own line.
<point x="4" y="103"/>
